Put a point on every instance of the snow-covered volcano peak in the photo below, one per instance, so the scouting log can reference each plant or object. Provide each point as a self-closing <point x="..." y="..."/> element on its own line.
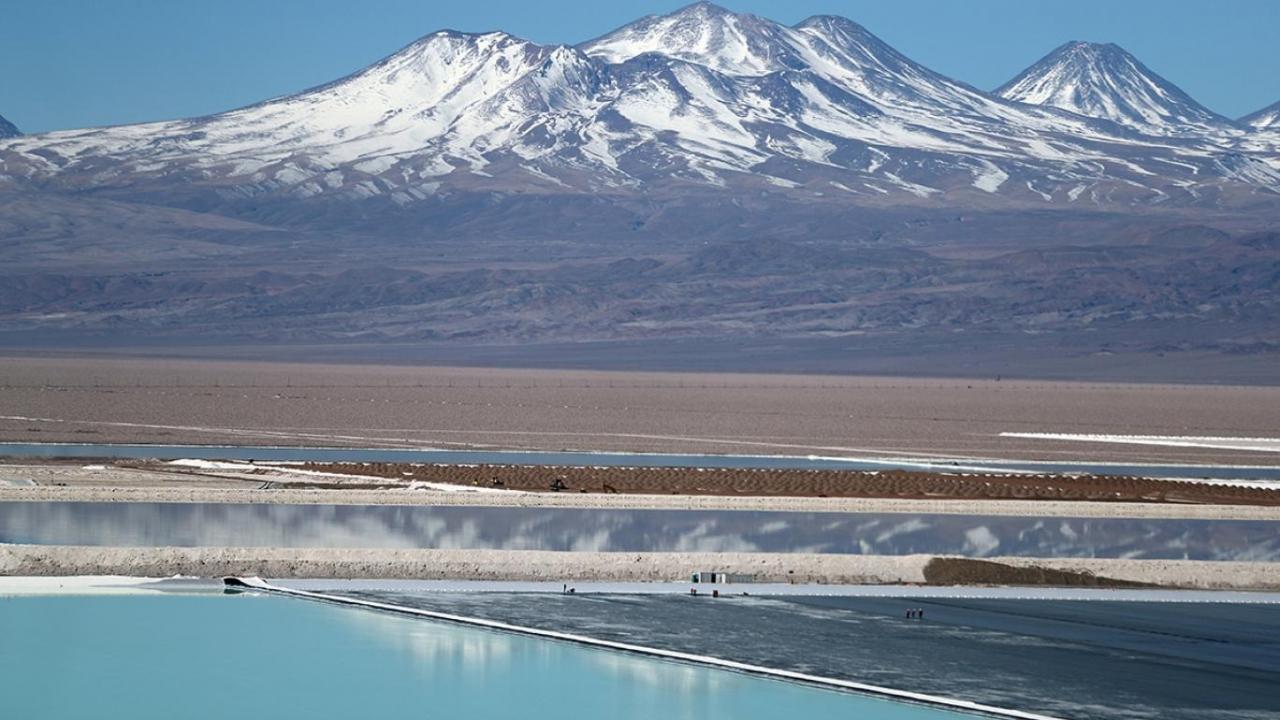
<point x="1103" y="80"/>
<point x="445" y="58"/>
<point x="854" y="58"/>
<point x="836" y="27"/>
<point x="853" y="46"/>
<point x="1268" y="118"/>
<point x="705" y="10"/>
<point x="7" y="129"/>
<point x="434" y="76"/>
<point x="702" y="96"/>
<point x="1095" y="52"/>
<point x="703" y="34"/>
<point x="398" y="107"/>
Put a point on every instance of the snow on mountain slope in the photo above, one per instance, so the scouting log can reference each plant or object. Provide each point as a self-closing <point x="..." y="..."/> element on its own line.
<point x="1268" y="118"/>
<point x="834" y="49"/>
<point x="1264" y="136"/>
<point x="7" y="129"/>
<point x="701" y="96"/>
<point x="399" y="105"/>
<point x="828" y="92"/>
<point x="703" y="34"/>
<point x="875" y="98"/>
<point x="1105" y="81"/>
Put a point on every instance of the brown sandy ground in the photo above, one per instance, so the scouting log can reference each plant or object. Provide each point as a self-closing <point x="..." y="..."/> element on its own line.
<point x="810" y="483"/>
<point x="129" y="481"/>
<point x="245" y="403"/>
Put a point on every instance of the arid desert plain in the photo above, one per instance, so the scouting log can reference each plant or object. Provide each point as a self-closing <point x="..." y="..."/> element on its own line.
<point x="184" y="401"/>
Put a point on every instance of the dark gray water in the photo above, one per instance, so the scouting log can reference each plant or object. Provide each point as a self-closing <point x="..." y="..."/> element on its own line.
<point x="387" y="526"/>
<point x="454" y="457"/>
<point x="1079" y="660"/>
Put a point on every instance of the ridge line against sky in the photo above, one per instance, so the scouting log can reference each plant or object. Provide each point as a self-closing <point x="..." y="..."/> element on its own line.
<point x="71" y="64"/>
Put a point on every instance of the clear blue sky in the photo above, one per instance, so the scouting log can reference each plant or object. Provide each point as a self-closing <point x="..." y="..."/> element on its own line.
<point x="78" y="63"/>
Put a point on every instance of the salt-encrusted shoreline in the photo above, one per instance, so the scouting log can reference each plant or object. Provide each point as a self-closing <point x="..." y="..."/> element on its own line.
<point x="57" y="560"/>
<point x="13" y="586"/>
<point x="1016" y="508"/>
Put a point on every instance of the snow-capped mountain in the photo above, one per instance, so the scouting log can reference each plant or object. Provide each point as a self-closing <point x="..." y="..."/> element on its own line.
<point x="704" y="175"/>
<point x="1268" y="118"/>
<point x="1105" y="81"/>
<point x="8" y="129"/>
<point x="701" y="97"/>
<point x="1263" y="139"/>
<point x="703" y="34"/>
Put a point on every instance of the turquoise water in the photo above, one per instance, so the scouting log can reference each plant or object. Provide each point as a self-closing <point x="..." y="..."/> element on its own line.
<point x="134" y="657"/>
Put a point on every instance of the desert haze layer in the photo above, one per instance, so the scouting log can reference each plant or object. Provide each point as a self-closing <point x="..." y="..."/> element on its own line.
<point x="170" y="402"/>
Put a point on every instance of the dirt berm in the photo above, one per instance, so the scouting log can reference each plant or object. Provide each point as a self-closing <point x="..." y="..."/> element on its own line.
<point x="965" y="571"/>
<point x="55" y="560"/>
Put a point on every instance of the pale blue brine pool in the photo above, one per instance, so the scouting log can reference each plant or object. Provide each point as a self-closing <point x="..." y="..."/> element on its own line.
<point x="196" y="656"/>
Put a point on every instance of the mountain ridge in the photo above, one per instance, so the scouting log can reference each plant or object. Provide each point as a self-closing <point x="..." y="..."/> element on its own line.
<point x="781" y="187"/>
<point x="1268" y="118"/>
<point x="1105" y="81"/>
<point x="699" y="96"/>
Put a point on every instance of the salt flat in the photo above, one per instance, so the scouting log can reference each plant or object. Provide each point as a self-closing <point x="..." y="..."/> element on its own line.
<point x="1254" y="444"/>
<point x="249" y="403"/>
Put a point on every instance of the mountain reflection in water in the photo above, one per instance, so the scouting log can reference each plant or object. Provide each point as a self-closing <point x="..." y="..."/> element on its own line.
<point x="512" y="528"/>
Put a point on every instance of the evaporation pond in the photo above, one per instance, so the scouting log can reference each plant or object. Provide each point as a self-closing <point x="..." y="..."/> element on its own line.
<point x="613" y="530"/>
<point x="215" y="656"/>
